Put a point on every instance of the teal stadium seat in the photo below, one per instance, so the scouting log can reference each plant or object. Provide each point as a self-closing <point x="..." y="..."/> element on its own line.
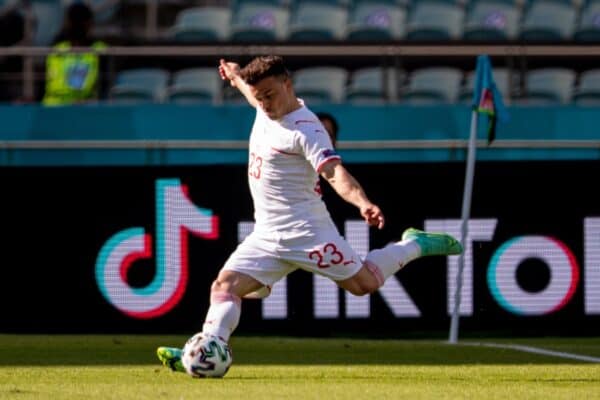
<point x="503" y="78"/>
<point x="325" y="84"/>
<point x="48" y="19"/>
<point x="202" y="24"/>
<point x="374" y="85"/>
<point x="317" y="23"/>
<point x="140" y="85"/>
<point x="433" y="85"/>
<point x="492" y="21"/>
<point x="335" y="3"/>
<point x="548" y="21"/>
<point x="196" y="85"/>
<point x="376" y="21"/>
<point x="258" y="22"/>
<point x="431" y="21"/>
<point x="548" y="86"/>
<point x="236" y="4"/>
<point x="588" y="28"/>
<point x="587" y="92"/>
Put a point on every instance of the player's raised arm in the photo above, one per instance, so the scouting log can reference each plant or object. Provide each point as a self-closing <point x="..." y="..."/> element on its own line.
<point x="230" y="71"/>
<point x="350" y="190"/>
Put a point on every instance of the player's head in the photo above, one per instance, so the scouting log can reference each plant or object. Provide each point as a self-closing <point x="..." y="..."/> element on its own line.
<point x="330" y="124"/>
<point x="271" y="85"/>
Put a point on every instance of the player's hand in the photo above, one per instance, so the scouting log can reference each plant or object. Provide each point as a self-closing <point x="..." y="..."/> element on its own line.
<point x="373" y="215"/>
<point x="229" y="71"/>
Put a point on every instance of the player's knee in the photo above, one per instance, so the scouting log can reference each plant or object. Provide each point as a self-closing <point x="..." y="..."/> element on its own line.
<point x="366" y="281"/>
<point x="363" y="289"/>
<point x="220" y="285"/>
<point x="216" y="286"/>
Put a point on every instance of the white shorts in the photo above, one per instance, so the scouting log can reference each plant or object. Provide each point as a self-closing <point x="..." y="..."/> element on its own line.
<point x="269" y="257"/>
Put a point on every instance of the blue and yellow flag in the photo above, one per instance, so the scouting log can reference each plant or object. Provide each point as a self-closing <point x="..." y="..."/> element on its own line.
<point x="487" y="99"/>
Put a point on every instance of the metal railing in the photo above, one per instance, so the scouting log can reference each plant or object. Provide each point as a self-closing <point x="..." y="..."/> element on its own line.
<point x="391" y="51"/>
<point x="243" y="144"/>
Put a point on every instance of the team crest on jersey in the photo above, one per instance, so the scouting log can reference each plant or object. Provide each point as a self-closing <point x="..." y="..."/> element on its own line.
<point x="329" y="153"/>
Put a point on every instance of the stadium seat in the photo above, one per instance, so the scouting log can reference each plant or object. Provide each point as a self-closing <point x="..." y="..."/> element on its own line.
<point x="48" y="19"/>
<point x="432" y="21"/>
<point x="548" y="86"/>
<point x="587" y="92"/>
<point x="195" y="85"/>
<point x="588" y="28"/>
<point x="490" y="21"/>
<point x="317" y="22"/>
<point x="256" y="22"/>
<point x="336" y="3"/>
<point x="320" y="84"/>
<point x="232" y="95"/>
<point x="502" y="77"/>
<point x="198" y="24"/>
<point x="433" y="85"/>
<point x="142" y="85"/>
<point x="236" y="4"/>
<point x="376" y="21"/>
<point x="374" y="85"/>
<point x="548" y="21"/>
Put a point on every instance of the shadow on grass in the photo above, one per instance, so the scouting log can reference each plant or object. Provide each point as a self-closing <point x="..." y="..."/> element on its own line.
<point x="89" y="350"/>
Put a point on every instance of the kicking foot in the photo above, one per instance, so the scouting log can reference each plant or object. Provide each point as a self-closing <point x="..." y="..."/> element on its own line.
<point x="433" y="244"/>
<point x="171" y="358"/>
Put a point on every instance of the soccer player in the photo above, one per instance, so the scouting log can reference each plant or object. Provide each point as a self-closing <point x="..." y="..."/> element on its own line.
<point x="289" y="148"/>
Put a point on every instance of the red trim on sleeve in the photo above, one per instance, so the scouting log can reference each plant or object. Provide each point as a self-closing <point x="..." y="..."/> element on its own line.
<point x="325" y="161"/>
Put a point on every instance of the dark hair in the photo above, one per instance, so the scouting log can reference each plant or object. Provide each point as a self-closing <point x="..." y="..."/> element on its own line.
<point x="263" y="67"/>
<point x="78" y="21"/>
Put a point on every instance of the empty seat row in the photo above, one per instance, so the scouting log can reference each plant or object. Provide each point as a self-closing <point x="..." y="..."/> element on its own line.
<point x="375" y="21"/>
<point x="370" y="85"/>
<point x="155" y="85"/>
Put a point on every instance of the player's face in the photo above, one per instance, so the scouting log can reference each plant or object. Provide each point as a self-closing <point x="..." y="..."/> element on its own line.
<point x="274" y="95"/>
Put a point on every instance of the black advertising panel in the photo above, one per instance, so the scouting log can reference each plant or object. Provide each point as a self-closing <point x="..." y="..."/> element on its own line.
<point x="135" y="249"/>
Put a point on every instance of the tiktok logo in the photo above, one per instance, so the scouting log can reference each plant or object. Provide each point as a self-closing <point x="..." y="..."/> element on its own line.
<point x="176" y="215"/>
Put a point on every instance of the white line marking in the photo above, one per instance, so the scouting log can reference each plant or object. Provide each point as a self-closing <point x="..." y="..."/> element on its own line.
<point x="535" y="350"/>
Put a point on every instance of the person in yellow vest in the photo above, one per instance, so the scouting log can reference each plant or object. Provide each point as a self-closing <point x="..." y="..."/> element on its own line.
<point x="73" y="78"/>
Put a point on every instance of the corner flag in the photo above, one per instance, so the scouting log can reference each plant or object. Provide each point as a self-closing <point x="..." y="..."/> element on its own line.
<point x="487" y="99"/>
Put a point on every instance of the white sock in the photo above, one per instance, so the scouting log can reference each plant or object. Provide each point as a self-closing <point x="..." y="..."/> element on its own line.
<point x="223" y="315"/>
<point x="393" y="257"/>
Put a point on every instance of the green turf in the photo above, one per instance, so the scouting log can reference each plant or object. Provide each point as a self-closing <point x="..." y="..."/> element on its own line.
<point x="125" y="367"/>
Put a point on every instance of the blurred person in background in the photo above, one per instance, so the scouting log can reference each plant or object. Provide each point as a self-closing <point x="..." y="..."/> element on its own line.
<point x="330" y="124"/>
<point x="12" y="24"/>
<point x="73" y="78"/>
<point x="12" y="33"/>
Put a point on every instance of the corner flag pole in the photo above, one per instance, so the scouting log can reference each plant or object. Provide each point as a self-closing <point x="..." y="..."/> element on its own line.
<point x="486" y="100"/>
<point x="466" y="211"/>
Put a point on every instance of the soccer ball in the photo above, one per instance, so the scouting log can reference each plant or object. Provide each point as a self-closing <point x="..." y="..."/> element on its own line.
<point x="206" y="356"/>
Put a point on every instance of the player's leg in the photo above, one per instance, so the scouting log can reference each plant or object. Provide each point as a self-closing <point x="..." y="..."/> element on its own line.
<point x="225" y="308"/>
<point x="223" y="313"/>
<point x="251" y="268"/>
<point x="382" y="263"/>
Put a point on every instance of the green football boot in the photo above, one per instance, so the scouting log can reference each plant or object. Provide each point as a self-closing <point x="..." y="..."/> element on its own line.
<point x="433" y="244"/>
<point x="171" y="358"/>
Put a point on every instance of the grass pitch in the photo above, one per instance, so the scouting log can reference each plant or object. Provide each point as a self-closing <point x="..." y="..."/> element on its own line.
<point x="125" y="367"/>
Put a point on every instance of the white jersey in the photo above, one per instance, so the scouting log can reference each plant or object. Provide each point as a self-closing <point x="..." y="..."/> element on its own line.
<point x="285" y="159"/>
